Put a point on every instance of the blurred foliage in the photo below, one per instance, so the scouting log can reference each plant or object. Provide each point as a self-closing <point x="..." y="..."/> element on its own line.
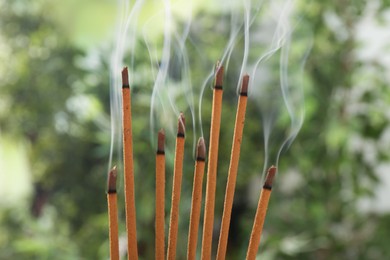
<point x="60" y="107"/>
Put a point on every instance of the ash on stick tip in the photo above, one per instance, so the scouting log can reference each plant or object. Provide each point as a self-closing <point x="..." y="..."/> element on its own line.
<point x="181" y="125"/>
<point x="270" y="177"/>
<point x="218" y="75"/>
<point x="201" y="150"/>
<point x="161" y="141"/>
<point x="125" y="77"/>
<point x="244" y="85"/>
<point x="111" y="184"/>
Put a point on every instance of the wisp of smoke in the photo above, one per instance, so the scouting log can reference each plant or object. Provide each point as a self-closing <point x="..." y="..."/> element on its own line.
<point x="245" y="36"/>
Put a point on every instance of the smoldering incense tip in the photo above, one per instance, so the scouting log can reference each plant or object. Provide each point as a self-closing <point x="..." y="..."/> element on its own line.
<point x="181" y="125"/>
<point x="218" y="75"/>
<point x="125" y="78"/>
<point x="269" y="178"/>
<point x="244" y="85"/>
<point x="161" y="142"/>
<point x="201" y="150"/>
<point x="111" y="184"/>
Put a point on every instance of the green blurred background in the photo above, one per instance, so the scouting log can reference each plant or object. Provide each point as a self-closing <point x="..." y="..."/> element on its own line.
<point x="330" y="199"/>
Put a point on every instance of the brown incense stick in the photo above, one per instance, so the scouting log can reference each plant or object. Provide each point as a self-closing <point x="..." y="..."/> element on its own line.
<point x="128" y="169"/>
<point x="232" y="175"/>
<point x="160" y="197"/>
<point x="261" y="212"/>
<point x="212" y="164"/>
<point x="176" y="189"/>
<point x="113" y="214"/>
<point x="196" y="199"/>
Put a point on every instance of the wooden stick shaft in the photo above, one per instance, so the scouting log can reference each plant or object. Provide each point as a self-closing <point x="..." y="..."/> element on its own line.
<point x="232" y="176"/>
<point x="212" y="174"/>
<point x="113" y="225"/>
<point x="176" y="190"/>
<point x="257" y="229"/>
<point x="129" y="176"/>
<point x="160" y="207"/>
<point x="195" y="209"/>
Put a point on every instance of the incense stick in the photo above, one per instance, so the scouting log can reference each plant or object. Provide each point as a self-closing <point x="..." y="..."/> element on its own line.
<point x="132" y="251"/>
<point x="113" y="214"/>
<point x="196" y="199"/>
<point x="232" y="175"/>
<point x="176" y="189"/>
<point x="212" y="164"/>
<point x="160" y="197"/>
<point x="261" y="212"/>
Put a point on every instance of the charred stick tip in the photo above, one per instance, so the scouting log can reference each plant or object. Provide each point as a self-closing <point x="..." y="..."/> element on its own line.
<point x="111" y="184"/>
<point x="125" y="78"/>
<point x="201" y="150"/>
<point x="181" y="122"/>
<point x="218" y="75"/>
<point x="161" y="141"/>
<point x="269" y="178"/>
<point x="244" y="85"/>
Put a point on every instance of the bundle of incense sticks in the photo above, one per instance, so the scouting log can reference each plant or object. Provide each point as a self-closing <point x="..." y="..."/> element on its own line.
<point x="196" y="202"/>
